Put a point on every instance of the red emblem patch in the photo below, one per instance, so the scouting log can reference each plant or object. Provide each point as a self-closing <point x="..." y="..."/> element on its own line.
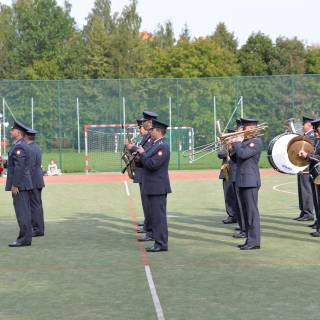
<point x="251" y="145"/>
<point x="160" y="153"/>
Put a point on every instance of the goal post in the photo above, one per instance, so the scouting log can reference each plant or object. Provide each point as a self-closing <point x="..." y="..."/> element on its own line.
<point x="104" y="144"/>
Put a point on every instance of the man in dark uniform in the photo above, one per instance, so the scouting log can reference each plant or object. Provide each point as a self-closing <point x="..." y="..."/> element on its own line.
<point x="233" y="176"/>
<point x="227" y="175"/>
<point x="37" y="219"/>
<point x="19" y="183"/>
<point x="247" y="150"/>
<point x="304" y="184"/>
<point x="145" y="125"/>
<point x="156" y="184"/>
<point x="314" y="160"/>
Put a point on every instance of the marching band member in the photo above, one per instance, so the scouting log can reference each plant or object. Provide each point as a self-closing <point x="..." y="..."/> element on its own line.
<point x="145" y="125"/>
<point x="156" y="184"/>
<point x="227" y="176"/>
<point x="247" y="150"/>
<point x="313" y="159"/>
<point x="304" y="183"/>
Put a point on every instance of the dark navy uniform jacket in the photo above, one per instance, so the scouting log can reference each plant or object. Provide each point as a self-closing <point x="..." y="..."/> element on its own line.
<point x="310" y="134"/>
<point x="35" y="165"/>
<point x="247" y="154"/>
<point x="232" y="170"/>
<point x="19" y="174"/>
<point x="146" y="142"/>
<point x="155" y="161"/>
<point x="314" y="157"/>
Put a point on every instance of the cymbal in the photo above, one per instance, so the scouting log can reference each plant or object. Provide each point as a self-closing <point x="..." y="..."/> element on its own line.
<point x="300" y="143"/>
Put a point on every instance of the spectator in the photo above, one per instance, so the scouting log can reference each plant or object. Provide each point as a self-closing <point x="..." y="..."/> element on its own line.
<point x="53" y="169"/>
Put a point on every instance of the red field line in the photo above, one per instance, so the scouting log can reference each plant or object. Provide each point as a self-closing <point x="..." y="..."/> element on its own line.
<point x="118" y="177"/>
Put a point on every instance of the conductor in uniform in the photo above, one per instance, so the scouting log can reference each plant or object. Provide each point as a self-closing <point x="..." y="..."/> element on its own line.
<point x="156" y="184"/>
<point x="37" y="219"/>
<point x="145" y="125"/>
<point x="306" y="205"/>
<point x="247" y="150"/>
<point x="19" y="183"/>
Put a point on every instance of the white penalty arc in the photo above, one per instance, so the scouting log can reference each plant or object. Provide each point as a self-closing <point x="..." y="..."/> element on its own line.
<point x="276" y="188"/>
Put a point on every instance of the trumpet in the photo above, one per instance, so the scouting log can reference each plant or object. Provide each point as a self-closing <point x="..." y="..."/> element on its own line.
<point x="223" y="142"/>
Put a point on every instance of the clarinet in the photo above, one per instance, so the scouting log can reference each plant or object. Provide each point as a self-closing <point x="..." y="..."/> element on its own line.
<point x="134" y="155"/>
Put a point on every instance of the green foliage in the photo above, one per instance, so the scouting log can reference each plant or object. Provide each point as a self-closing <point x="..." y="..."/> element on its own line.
<point x="313" y="59"/>
<point x="289" y="57"/>
<point x="224" y="38"/>
<point x="256" y="54"/>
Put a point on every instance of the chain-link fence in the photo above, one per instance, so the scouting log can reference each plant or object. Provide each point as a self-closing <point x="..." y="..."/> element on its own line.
<point x="59" y="110"/>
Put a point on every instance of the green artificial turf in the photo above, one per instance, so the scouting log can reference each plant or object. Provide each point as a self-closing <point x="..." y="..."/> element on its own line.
<point x="88" y="266"/>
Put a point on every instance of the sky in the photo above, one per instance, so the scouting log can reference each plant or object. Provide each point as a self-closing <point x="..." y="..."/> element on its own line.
<point x="275" y="18"/>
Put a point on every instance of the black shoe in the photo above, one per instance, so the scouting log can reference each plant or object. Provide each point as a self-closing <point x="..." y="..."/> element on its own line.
<point x="146" y="237"/>
<point x="140" y="224"/>
<point x="247" y="247"/>
<point x="156" y="248"/>
<point x="229" y="220"/>
<point x="239" y="235"/>
<point x="141" y="230"/>
<point x="37" y="234"/>
<point x="241" y="245"/>
<point x="16" y="244"/>
<point x="315" y="234"/>
<point x="297" y="218"/>
<point x="306" y="217"/>
<point x="237" y="228"/>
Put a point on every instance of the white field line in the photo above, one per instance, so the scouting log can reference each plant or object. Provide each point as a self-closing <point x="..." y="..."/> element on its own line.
<point x="153" y="290"/>
<point x="276" y="188"/>
<point x="152" y="287"/>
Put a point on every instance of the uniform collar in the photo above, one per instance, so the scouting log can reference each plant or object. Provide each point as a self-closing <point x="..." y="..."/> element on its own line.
<point x="18" y="141"/>
<point x="154" y="142"/>
<point x="308" y="131"/>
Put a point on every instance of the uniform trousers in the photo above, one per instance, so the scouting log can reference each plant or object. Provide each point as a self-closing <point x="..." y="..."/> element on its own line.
<point x="306" y="205"/>
<point x="21" y="203"/>
<point x="249" y="203"/>
<point x="158" y="209"/>
<point x="316" y="200"/>
<point x="230" y="199"/>
<point x="239" y="211"/>
<point x="146" y="211"/>
<point x="37" y="218"/>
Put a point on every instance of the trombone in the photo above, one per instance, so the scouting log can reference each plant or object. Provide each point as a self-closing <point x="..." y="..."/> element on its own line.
<point x="224" y="139"/>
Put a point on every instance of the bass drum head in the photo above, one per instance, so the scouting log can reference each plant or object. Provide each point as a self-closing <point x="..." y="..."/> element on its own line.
<point x="278" y="155"/>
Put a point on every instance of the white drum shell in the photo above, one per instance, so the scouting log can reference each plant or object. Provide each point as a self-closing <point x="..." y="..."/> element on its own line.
<point x="278" y="155"/>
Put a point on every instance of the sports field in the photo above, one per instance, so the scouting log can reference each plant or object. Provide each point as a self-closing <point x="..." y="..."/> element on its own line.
<point x="89" y="265"/>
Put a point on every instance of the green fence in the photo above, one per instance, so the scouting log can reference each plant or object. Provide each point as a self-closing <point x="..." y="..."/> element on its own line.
<point x="196" y="102"/>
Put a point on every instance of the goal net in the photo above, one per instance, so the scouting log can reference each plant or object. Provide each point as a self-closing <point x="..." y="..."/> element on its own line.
<point x="104" y="144"/>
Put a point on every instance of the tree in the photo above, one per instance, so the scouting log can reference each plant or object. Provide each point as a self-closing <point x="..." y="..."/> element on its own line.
<point x="200" y="58"/>
<point x="164" y="36"/>
<point x="7" y="35"/>
<point x="185" y="33"/>
<point x="256" y="54"/>
<point x="313" y="59"/>
<point x="41" y="27"/>
<point x="224" y="38"/>
<point x="289" y="57"/>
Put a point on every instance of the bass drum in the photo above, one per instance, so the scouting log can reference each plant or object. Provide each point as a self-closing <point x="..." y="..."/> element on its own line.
<point x="278" y="155"/>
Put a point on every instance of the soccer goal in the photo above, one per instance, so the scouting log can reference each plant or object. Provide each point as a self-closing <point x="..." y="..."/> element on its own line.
<point x="104" y="144"/>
